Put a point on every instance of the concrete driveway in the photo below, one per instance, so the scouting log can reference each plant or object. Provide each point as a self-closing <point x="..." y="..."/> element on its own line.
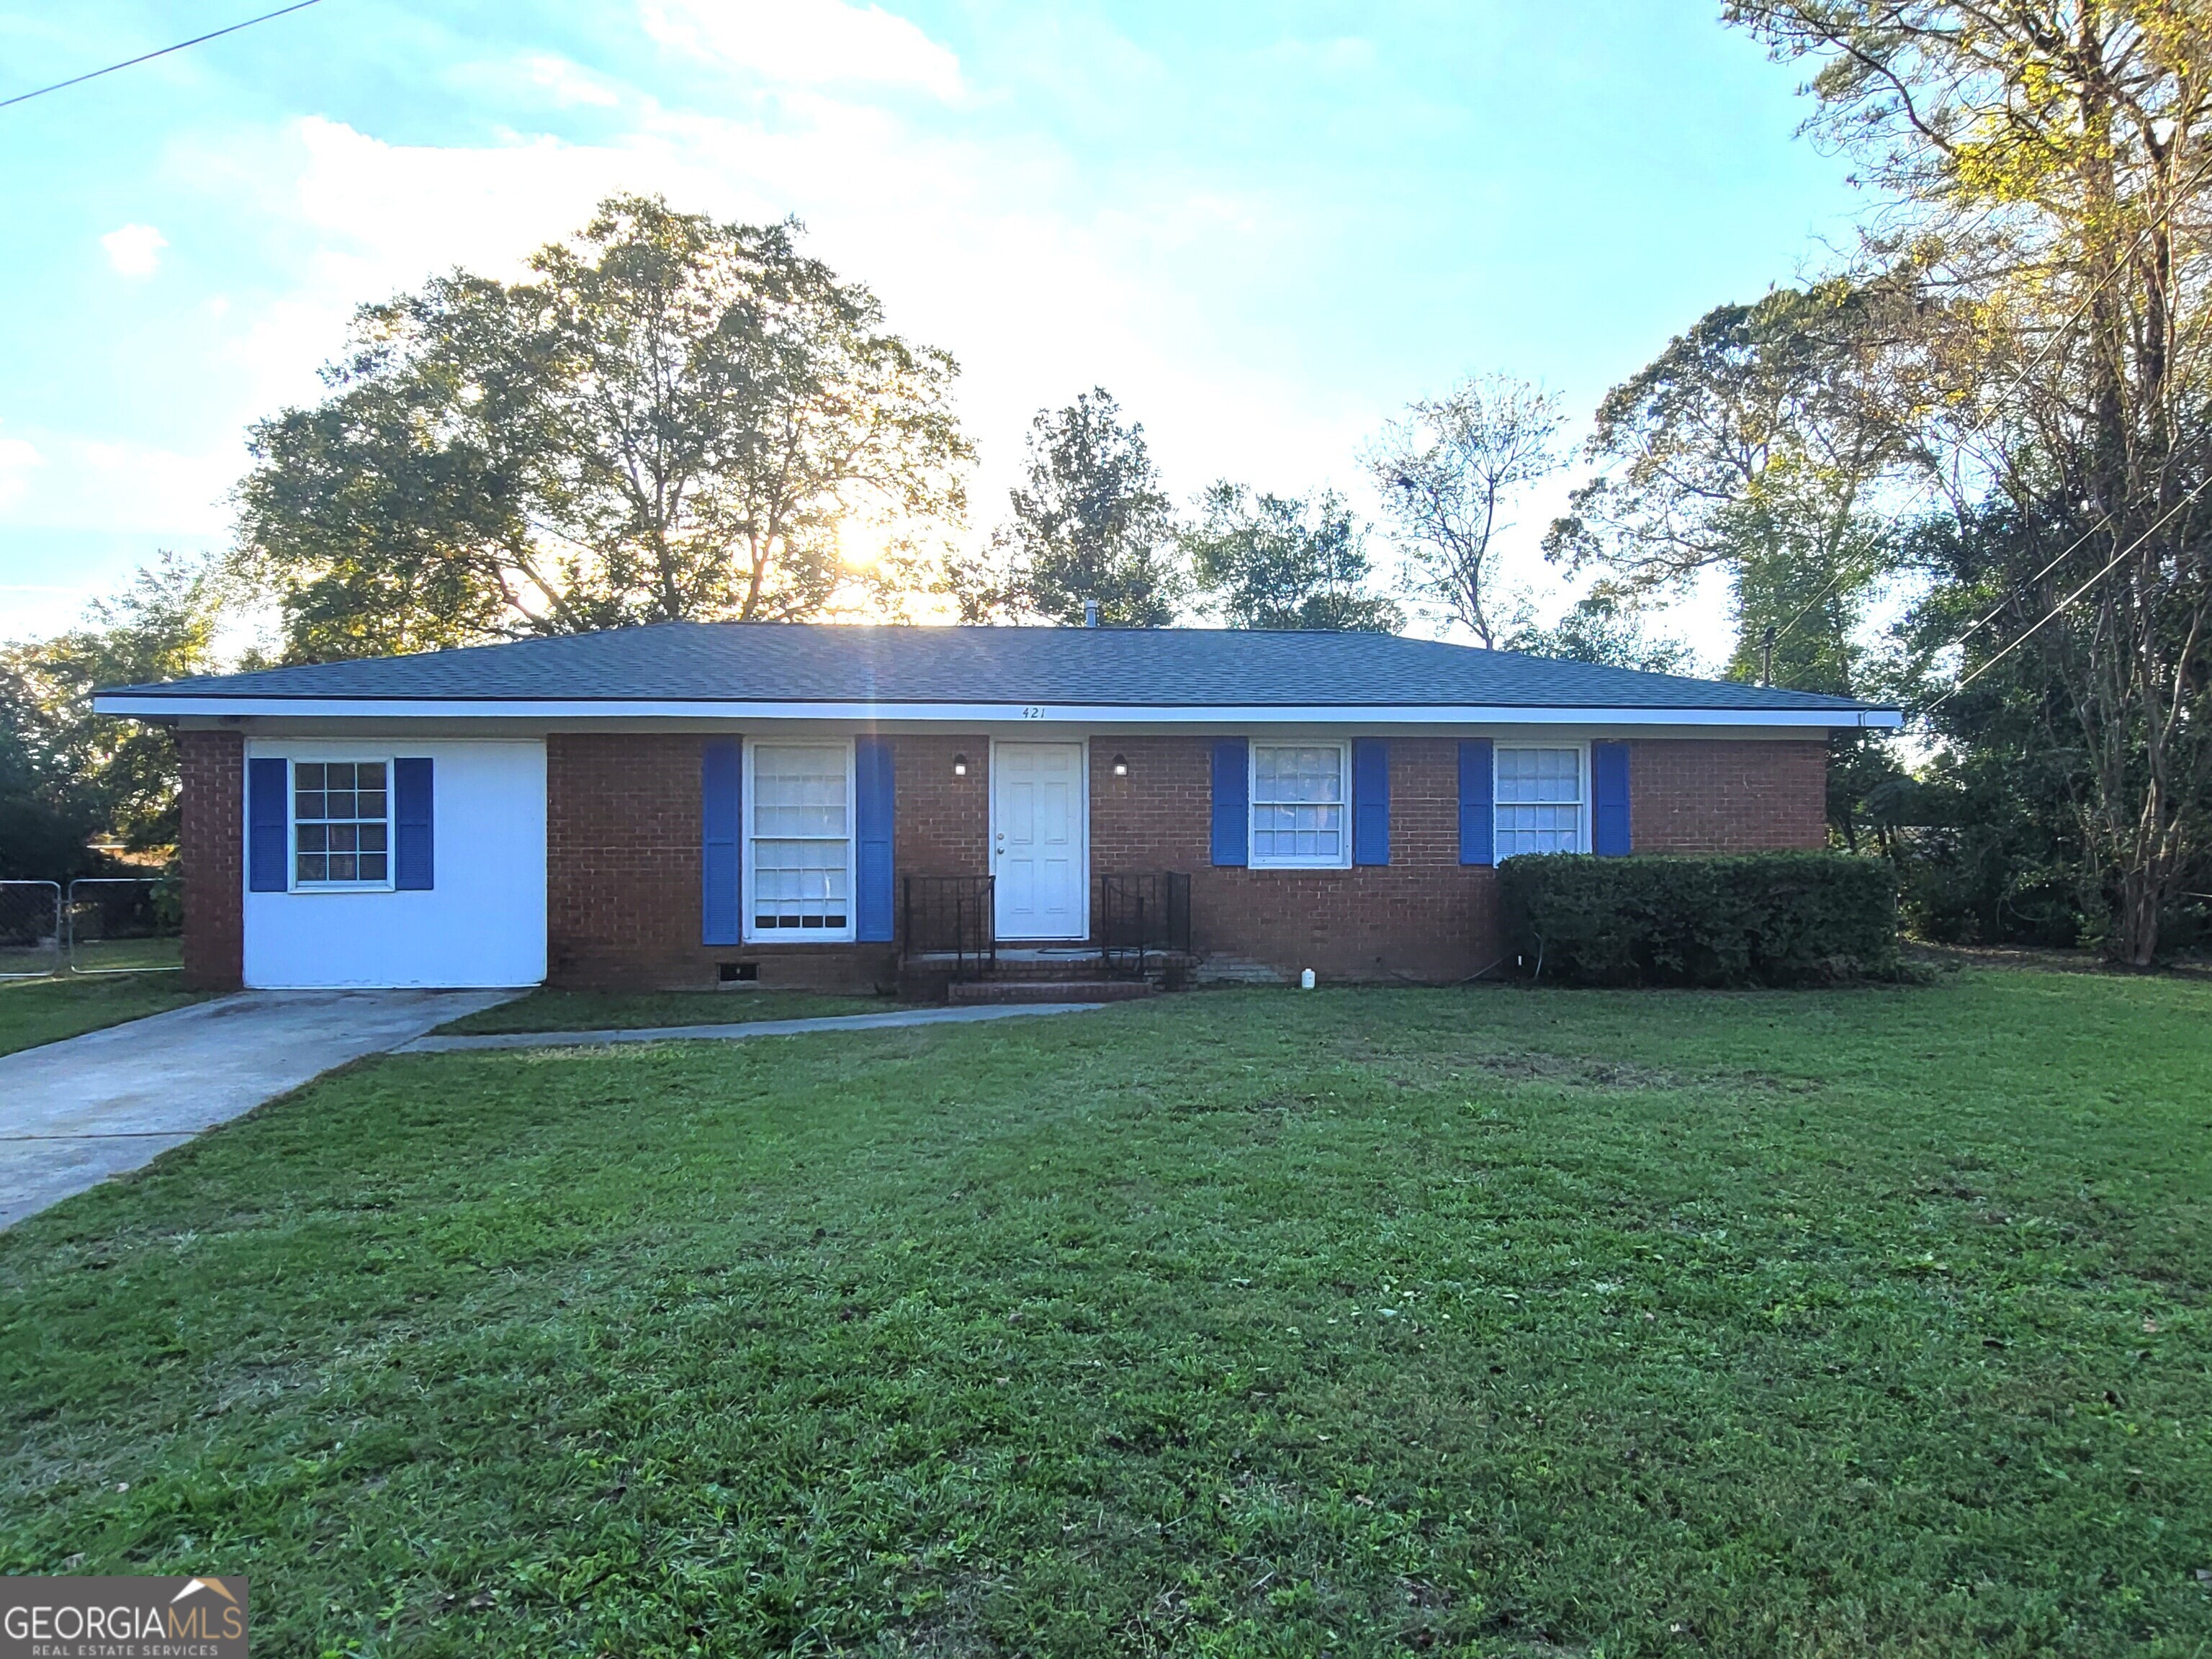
<point x="76" y="1112"/>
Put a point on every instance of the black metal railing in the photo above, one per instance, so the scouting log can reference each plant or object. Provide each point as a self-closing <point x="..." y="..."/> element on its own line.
<point x="954" y="916"/>
<point x="1138" y="917"/>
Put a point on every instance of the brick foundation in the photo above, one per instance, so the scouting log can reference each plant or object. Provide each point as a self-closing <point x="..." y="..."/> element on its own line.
<point x="211" y="846"/>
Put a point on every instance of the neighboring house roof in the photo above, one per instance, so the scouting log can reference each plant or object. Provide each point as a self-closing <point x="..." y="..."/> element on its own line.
<point x="823" y="666"/>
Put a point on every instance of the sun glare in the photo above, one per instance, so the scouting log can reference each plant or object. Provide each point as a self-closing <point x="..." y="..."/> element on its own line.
<point x="859" y="545"/>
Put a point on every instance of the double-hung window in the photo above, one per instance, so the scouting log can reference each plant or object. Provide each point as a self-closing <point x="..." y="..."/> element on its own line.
<point x="340" y="824"/>
<point x="799" y="840"/>
<point x="1301" y="818"/>
<point x="1540" y="801"/>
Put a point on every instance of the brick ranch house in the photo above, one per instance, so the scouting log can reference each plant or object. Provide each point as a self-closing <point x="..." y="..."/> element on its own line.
<point x="793" y="804"/>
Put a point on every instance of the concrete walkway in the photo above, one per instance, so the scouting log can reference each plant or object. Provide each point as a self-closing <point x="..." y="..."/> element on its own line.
<point x="76" y="1112"/>
<point x="759" y="1028"/>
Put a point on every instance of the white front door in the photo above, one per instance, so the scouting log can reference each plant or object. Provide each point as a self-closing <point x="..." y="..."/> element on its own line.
<point x="1038" y="841"/>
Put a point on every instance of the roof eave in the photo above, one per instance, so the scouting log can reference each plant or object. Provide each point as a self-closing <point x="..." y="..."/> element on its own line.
<point x="140" y="702"/>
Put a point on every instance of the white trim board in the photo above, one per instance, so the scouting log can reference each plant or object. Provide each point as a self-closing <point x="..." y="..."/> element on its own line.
<point x="1041" y="717"/>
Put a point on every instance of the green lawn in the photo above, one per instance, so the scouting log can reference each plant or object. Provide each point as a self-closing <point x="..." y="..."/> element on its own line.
<point x="36" y="1011"/>
<point x="598" y="1010"/>
<point x="1487" y="1322"/>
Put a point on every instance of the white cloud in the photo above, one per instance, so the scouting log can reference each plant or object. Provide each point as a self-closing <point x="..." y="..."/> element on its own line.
<point x="806" y="43"/>
<point x="134" y="250"/>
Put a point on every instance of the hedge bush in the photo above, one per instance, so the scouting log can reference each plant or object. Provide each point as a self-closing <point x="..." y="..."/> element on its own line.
<point x="1757" y="919"/>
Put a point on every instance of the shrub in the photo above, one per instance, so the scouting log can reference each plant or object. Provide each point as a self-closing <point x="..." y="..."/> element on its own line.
<point x="1756" y="918"/>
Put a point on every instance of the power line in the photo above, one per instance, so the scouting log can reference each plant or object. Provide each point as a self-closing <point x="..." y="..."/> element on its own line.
<point x="2068" y="600"/>
<point x="94" y="75"/>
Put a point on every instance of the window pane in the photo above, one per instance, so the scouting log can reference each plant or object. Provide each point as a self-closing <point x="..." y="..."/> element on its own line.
<point x="1297" y="804"/>
<point x="800" y="883"/>
<point x="800" y="791"/>
<point x="1283" y="774"/>
<point x="341" y="821"/>
<point x="1539" y="775"/>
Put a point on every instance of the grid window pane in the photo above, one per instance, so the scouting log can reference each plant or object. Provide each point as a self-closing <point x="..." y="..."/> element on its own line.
<point x="341" y="822"/>
<point x="1297" y="804"/>
<point x="1539" y="800"/>
<point x="802" y="839"/>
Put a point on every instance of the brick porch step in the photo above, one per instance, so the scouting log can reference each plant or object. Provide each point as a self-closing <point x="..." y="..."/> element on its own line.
<point x="1046" y="990"/>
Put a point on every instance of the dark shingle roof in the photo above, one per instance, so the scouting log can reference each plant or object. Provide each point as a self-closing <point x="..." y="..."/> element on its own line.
<point x="756" y="663"/>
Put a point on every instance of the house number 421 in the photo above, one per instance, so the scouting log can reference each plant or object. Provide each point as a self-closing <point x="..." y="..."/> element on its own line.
<point x="1032" y="713"/>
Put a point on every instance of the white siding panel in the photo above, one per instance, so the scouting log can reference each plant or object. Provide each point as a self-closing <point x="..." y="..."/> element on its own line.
<point x="484" y="924"/>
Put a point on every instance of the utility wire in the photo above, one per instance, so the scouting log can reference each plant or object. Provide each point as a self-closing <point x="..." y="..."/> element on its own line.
<point x="94" y="75"/>
<point x="2065" y="602"/>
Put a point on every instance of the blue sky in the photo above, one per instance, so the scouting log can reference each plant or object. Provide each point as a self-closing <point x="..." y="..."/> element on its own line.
<point x="1263" y="227"/>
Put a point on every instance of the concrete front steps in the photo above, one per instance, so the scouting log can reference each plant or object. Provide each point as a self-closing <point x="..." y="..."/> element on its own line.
<point x="1047" y="990"/>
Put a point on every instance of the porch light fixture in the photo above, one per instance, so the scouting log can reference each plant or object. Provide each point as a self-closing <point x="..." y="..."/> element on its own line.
<point x="960" y="766"/>
<point x="1121" y="766"/>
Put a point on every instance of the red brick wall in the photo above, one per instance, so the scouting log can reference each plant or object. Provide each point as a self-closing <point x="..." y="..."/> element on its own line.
<point x="1424" y="915"/>
<point x="623" y="874"/>
<point x="623" y="861"/>
<point x="211" y="846"/>
<point x="1708" y="795"/>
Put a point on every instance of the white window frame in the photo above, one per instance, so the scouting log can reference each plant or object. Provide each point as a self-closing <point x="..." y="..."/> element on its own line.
<point x="845" y="935"/>
<point x="292" y="882"/>
<point x="1583" y="783"/>
<point x="1252" y="803"/>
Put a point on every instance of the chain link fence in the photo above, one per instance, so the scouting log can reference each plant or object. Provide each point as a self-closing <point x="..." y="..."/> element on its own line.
<point x="30" y="929"/>
<point x="125" y="924"/>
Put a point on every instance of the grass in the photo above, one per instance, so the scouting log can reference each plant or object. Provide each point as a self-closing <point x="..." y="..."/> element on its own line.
<point x="36" y="1011"/>
<point x="1238" y="1323"/>
<point x="599" y="1010"/>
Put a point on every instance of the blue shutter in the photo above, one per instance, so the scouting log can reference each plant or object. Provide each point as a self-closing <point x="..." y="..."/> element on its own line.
<point x="1477" y="802"/>
<point x="873" y="811"/>
<point x="1370" y="801"/>
<point x="268" y="824"/>
<point x="414" y="851"/>
<point x="1609" y="799"/>
<point x="721" y="782"/>
<point x="1232" y="796"/>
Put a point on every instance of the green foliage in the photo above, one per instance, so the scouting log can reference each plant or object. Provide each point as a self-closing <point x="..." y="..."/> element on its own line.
<point x="1773" y="919"/>
<point x="1768" y="1326"/>
<point x="1092" y="524"/>
<point x="1607" y="628"/>
<point x="1752" y="444"/>
<point x="1269" y="561"/>
<point x="67" y="775"/>
<point x="673" y="418"/>
<point x="1990" y="838"/>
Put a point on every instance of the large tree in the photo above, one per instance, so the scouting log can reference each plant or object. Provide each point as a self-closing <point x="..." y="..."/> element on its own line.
<point x="1448" y="474"/>
<point x="670" y="418"/>
<point x="1754" y="445"/>
<point x="1091" y="524"/>
<point x="68" y="776"/>
<point x="2047" y="164"/>
<point x="1266" y="560"/>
